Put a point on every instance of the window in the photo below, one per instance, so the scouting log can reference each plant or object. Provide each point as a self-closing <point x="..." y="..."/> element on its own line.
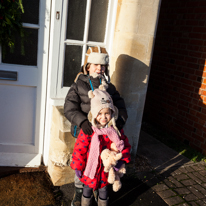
<point x="84" y="23"/>
<point x="31" y="21"/>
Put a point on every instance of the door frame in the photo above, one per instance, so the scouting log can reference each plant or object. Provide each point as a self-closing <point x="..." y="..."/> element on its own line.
<point x="54" y="96"/>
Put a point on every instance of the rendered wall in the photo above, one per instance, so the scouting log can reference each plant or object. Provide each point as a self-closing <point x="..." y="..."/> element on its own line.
<point x="131" y="58"/>
<point x="176" y="99"/>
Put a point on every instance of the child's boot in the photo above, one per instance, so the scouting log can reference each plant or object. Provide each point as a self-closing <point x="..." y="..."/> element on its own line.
<point x="77" y="197"/>
<point x="86" y="201"/>
<point x="103" y="202"/>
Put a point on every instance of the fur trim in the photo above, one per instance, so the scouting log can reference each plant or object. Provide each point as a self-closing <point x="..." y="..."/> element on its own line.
<point x="94" y="75"/>
<point x="114" y="125"/>
<point x="116" y="113"/>
<point x="91" y="94"/>
<point x="77" y="76"/>
<point x="89" y="116"/>
<point x="98" y="58"/>
<point x="103" y="86"/>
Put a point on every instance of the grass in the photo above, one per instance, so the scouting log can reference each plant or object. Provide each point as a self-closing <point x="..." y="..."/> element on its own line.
<point x="173" y="143"/>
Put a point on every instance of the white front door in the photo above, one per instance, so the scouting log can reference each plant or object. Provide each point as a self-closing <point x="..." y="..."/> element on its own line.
<point x="23" y="90"/>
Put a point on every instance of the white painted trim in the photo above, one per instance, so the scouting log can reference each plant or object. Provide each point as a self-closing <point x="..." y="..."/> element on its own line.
<point x="56" y="5"/>
<point x="47" y="133"/>
<point x="62" y="49"/>
<point x="86" y="29"/>
<point x="20" y="159"/>
<point x="107" y="22"/>
<point x="111" y="25"/>
<point x="73" y="42"/>
<point x="30" y="26"/>
<point x="44" y="22"/>
<point x="54" y="46"/>
<point x="57" y="102"/>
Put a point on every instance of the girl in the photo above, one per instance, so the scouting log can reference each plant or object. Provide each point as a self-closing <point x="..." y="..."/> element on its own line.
<point x="86" y="160"/>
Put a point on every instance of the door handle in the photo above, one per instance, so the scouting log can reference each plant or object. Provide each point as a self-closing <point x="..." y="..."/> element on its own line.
<point x="57" y="15"/>
<point x="8" y="75"/>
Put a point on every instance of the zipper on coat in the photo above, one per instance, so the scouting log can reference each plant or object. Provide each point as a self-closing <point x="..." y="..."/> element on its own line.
<point x="75" y="130"/>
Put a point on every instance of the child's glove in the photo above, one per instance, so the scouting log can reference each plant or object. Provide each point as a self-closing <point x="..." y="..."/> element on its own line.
<point x="87" y="127"/>
<point x="120" y="123"/>
<point x="118" y="165"/>
<point x="78" y="173"/>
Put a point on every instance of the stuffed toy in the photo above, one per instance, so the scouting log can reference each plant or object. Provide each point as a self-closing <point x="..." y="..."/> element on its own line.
<point x="110" y="159"/>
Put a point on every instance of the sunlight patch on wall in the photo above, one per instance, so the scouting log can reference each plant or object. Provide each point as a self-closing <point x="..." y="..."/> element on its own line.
<point x="202" y="90"/>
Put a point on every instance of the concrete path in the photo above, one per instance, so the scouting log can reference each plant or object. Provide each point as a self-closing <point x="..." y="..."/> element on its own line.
<point x="176" y="179"/>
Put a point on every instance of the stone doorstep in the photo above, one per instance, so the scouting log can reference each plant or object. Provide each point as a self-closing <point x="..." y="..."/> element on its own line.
<point x="6" y="171"/>
<point x="33" y="169"/>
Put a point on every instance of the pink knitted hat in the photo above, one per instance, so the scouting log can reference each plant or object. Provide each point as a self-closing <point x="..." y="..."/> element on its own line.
<point x="100" y="99"/>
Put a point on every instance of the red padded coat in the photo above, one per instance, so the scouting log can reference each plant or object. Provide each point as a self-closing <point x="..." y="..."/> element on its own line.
<point x="81" y="154"/>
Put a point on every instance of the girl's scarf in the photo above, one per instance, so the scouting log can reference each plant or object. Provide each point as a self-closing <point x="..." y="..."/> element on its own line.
<point x="92" y="161"/>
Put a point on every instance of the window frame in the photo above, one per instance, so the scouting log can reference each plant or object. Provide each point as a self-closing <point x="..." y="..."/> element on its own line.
<point x="61" y="91"/>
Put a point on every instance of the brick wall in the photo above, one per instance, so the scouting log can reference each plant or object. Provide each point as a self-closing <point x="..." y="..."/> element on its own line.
<point x="176" y="98"/>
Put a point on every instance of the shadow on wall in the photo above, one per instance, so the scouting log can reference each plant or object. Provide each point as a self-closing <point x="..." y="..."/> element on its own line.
<point x="130" y="79"/>
<point x="130" y="75"/>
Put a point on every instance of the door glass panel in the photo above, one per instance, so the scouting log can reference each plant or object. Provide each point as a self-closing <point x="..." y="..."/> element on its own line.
<point x="72" y="63"/>
<point x="31" y="11"/>
<point x="30" y="50"/>
<point x="98" y="17"/>
<point x="76" y="19"/>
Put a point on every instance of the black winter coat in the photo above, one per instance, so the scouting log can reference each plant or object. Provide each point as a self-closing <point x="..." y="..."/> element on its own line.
<point x="77" y="102"/>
